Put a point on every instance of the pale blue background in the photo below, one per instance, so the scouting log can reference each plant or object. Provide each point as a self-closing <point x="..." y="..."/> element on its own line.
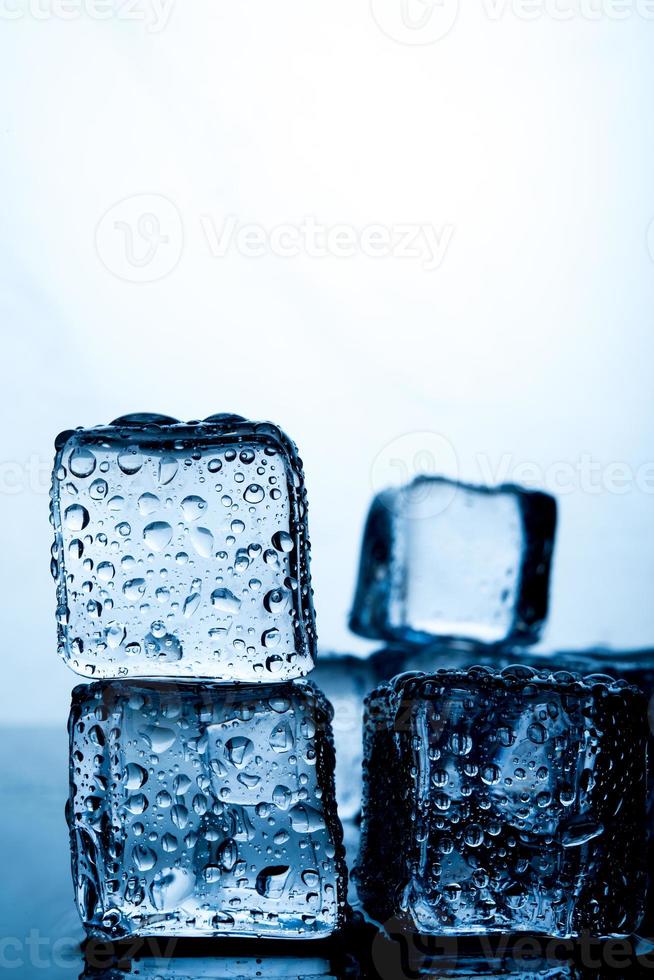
<point x="533" y="340"/>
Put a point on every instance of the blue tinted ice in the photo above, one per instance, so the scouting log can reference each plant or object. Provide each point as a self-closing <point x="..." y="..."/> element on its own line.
<point x="203" y="809"/>
<point x="345" y="681"/>
<point x="446" y="559"/>
<point x="182" y="550"/>
<point x="505" y="801"/>
<point x="637" y="667"/>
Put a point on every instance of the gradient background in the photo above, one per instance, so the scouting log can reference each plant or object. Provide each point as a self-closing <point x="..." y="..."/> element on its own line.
<point x="527" y="140"/>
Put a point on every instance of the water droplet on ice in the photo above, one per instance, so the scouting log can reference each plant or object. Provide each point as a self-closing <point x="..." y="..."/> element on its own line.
<point x="271" y="881"/>
<point x="114" y="635"/>
<point x="159" y="739"/>
<point x="305" y="820"/>
<point x="148" y="503"/>
<point x="254" y="493"/>
<point x="239" y="750"/>
<point x="202" y="541"/>
<point x="270" y="638"/>
<point x="76" y="517"/>
<point x="135" y="776"/>
<point x="167" y="469"/>
<point x="191" y="603"/>
<point x="276" y="601"/>
<point x="193" y="507"/>
<point x="282" y="541"/>
<point x="158" y="535"/>
<point x="106" y="571"/>
<point x="144" y="858"/>
<point x="98" y="489"/>
<point x="225" y="601"/>
<point x="130" y="462"/>
<point x="82" y="462"/>
<point x="134" y="588"/>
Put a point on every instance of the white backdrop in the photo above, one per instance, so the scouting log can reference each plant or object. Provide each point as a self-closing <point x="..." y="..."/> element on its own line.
<point x="364" y="221"/>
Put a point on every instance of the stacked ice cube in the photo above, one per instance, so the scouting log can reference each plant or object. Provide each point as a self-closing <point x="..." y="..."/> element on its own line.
<point x="201" y="771"/>
<point x="501" y="792"/>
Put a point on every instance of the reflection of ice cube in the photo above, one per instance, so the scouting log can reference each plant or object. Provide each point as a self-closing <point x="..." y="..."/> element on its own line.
<point x="504" y="801"/>
<point x="446" y="559"/>
<point x="189" y="814"/>
<point x="182" y="550"/>
<point x="396" y="953"/>
<point x="236" y="967"/>
<point x="440" y="654"/>
<point x="345" y="681"/>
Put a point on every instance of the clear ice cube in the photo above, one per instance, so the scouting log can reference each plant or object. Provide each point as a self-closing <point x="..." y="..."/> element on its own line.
<point x="504" y="802"/>
<point x="441" y="558"/>
<point x="345" y="681"/>
<point x="182" y="550"/>
<point x="204" y="809"/>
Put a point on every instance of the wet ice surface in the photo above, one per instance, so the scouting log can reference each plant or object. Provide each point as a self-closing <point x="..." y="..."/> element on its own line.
<point x="345" y="681"/>
<point x="634" y="666"/>
<point x="201" y="809"/>
<point x="446" y="559"/>
<point x="500" y="802"/>
<point x="182" y="550"/>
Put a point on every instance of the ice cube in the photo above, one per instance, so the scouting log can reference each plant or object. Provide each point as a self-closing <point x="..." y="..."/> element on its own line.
<point x="204" y="809"/>
<point x="505" y="801"/>
<point x="182" y="550"/>
<point x="446" y="559"/>
<point x="345" y="681"/>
